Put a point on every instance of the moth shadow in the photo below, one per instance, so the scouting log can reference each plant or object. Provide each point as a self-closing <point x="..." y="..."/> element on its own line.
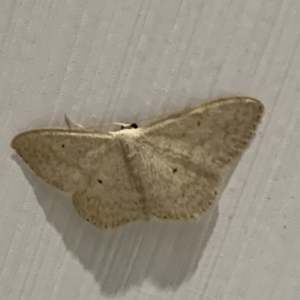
<point x="166" y="253"/>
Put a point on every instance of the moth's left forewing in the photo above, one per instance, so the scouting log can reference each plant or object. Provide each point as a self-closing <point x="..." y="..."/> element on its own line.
<point x="63" y="158"/>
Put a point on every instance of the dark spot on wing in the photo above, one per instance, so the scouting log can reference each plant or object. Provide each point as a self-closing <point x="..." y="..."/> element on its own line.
<point x="99" y="180"/>
<point x="175" y="170"/>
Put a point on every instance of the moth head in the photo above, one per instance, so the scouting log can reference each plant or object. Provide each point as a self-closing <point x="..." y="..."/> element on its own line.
<point x="129" y="126"/>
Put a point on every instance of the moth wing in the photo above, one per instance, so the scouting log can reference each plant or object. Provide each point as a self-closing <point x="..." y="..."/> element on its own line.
<point x="213" y="133"/>
<point x="111" y="198"/>
<point x="88" y="165"/>
<point x="173" y="186"/>
<point x="64" y="159"/>
<point x="179" y="159"/>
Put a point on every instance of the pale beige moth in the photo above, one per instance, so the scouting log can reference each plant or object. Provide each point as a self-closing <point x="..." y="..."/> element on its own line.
<point x="169" y="169"/>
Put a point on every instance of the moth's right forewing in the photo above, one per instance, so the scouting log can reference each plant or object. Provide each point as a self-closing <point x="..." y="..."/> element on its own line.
<point x="213" y="133"/>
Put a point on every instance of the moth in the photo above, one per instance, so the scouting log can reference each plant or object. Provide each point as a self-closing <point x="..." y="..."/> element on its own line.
<point x="169" y="169"/>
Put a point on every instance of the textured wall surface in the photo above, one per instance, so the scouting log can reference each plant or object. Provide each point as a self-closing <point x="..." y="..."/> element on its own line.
<point x="122" y="60"/>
